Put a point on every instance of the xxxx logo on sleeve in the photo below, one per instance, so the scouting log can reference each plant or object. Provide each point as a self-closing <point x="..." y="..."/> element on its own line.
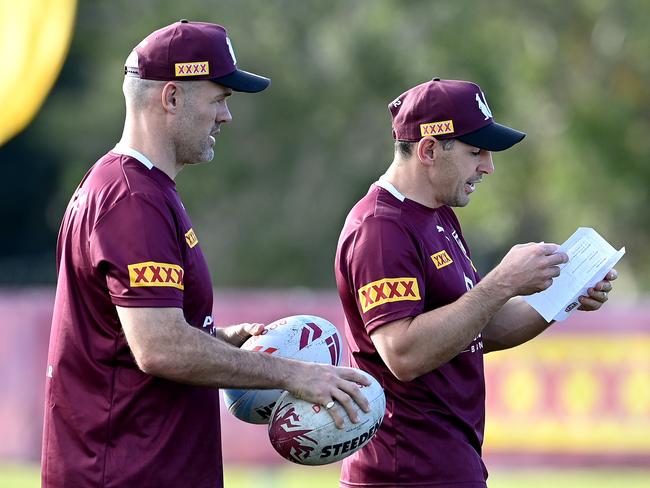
<point x="441" y="259"/>
<point x="151" y="273"/>
<point x="191" y="239"/>
<point x="388" y="290"/>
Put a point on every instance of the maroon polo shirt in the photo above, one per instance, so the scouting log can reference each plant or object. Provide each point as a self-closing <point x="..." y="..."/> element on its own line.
<point x="125" y="240"/>
<point x="397" y="258"/>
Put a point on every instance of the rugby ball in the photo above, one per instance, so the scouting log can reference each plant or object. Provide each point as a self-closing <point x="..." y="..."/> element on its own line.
<point x="305" y="433"/>
<point x="302" y="337"/>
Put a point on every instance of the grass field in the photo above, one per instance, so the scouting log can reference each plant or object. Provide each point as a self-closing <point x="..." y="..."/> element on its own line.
<point x="297" y="477"/>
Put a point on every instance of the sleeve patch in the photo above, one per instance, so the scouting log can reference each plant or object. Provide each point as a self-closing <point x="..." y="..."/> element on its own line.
<point x="388" y="290"/>
<point x="441" y="259"/>
<point x="191" y="239"/>
<point x="151" y="273"/>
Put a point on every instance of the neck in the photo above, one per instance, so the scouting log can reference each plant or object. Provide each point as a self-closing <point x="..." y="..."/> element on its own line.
<point x="409" y="177"/>
<point x="148" y="138"/>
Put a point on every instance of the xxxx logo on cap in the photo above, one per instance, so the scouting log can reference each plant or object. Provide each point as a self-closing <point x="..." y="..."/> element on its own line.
<point x="388" y="290"/>
<point x="192" y="69"/>
<point x="151" y="273"/>
<point x="437" y="128"/>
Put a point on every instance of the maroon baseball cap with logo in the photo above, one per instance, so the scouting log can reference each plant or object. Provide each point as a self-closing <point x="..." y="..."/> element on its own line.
<point x="449" y="109"/>
<point x="190" y="51"/>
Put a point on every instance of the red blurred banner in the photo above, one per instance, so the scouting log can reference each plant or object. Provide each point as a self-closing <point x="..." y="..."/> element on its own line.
<point x="580" y="393"/>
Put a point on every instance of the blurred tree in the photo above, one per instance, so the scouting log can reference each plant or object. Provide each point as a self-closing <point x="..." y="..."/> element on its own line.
<point x="268" y="209"/>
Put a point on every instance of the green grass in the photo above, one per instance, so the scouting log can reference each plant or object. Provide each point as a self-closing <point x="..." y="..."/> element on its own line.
<point x="27" y="476"/>
<point x="19" y="476"/>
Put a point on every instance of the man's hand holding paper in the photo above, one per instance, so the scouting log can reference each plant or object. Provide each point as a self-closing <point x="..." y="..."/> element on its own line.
<point x="598" y="294"/>
<point x="584" y="281"/>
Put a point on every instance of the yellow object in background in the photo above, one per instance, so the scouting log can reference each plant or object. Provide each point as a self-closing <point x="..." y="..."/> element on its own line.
<point x="571" y="393"/>
<point x="34" y="40"/>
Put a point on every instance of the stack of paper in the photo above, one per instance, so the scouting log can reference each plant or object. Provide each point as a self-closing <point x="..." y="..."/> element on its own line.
<point x="590" y="259"/>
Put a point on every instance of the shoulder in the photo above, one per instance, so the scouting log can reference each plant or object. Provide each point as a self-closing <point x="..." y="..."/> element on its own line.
<point x="384" y="231"/>
<point x="378" y="206"/>
<point x="117" y="179"/>
<point x="124" y="174"/>
<point x="120" y="190"/>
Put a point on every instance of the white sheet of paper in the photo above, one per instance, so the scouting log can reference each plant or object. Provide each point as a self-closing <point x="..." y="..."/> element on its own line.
<point x="590" y="259"/>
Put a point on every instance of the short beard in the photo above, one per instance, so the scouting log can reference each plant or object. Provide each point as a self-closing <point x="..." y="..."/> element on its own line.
<point x="189" y="152"/>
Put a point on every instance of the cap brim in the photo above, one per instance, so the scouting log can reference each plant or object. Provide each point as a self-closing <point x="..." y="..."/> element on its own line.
<point x="243" y="81"/>
<point x="493" y="137"/>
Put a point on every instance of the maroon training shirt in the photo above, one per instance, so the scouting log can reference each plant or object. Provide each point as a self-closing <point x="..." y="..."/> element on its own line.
<point x="395" y="259"/>
<point x="125" y="240"/>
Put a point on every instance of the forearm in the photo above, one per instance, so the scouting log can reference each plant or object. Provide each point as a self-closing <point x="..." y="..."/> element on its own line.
<point x="199" y="359"/>
<point x="170" y="348"/>
<point x="433" y="338"/>
<point x="515" y="323"/>
<point x="165" y="345"/>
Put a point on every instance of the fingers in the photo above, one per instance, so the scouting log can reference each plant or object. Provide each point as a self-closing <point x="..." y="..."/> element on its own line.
<point x="556" y="258"/>
<point x="548" y="248"/>
<point x="352" y="375"/>
<point x="348" y="396"/>
<point x="347" y="405"/>
<point x="595" y="298"/>
<point x="554" y="271"/>
<point x="337" y="414"/>
<point x="335" y="387"/>
<point x="605" y="286"/>
<point x="252" y="329"/>
<point x="589" y="304"/>
<point x="256" y="329"/>
<point x="353" y="393"/>
<point x="612" y="275"/>
<point x="599" y="296"/>
<point x="344" y="404"/>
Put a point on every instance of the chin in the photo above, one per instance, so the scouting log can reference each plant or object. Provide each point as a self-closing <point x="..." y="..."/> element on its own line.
<point x="460" y="202"/>
<point x="209" y="156"/>
<point x="204" y="157"/>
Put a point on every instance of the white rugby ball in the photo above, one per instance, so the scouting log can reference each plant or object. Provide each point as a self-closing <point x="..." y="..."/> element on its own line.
<point x="302" y="337"/>
<point x="305" y="433"/>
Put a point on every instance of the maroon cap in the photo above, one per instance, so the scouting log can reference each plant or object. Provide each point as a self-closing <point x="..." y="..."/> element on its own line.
<point x="449" y="109"/>
<point x="190" y="51"/>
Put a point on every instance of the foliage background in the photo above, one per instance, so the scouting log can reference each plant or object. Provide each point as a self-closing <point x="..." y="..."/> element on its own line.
<point x="574" y="75"/>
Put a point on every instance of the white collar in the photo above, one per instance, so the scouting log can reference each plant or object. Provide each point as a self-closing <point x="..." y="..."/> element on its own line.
<point x="388" y="186"/>
<point x="127" y="151"/>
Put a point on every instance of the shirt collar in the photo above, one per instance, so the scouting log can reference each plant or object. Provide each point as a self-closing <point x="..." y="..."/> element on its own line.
<point x="128" y="151"/>
<point x="388" y="186"/>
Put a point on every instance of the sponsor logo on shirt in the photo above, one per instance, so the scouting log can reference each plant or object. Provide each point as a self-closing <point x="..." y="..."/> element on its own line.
<point x="475" y="346"/>
<point x="437" y="128"/>
<point x="441" y="259"/>
<point x="192" y="69"/>
<point x="388" y="290"/>
<point x="151" y="273"/>
<point x="191" y="239"/>
<point x="209" y="325"/>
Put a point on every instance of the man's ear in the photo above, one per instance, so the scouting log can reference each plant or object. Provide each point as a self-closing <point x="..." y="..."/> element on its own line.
<point x="427" y="150"/>
<point x="169" y="97"/>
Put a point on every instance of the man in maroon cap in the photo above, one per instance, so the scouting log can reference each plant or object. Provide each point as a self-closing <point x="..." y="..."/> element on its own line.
<point x="135" y="359"/>
<point x="419" y="317"/>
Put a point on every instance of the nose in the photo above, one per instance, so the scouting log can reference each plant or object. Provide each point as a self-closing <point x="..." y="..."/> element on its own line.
<point x="223" y="114"/>
<point x="486" y="165"/>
